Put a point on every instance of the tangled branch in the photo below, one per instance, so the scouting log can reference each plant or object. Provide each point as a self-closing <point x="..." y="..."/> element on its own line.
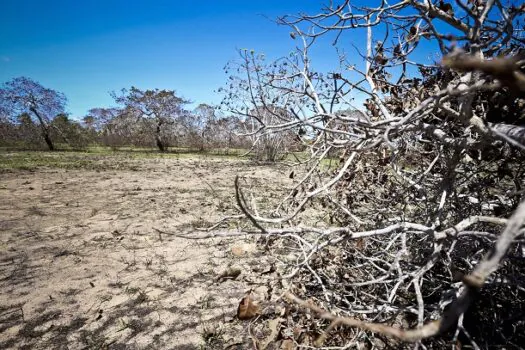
<point x="472" y="283"/>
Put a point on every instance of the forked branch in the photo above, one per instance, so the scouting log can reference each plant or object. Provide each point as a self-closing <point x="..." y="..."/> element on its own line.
<point x="472" y="283"/>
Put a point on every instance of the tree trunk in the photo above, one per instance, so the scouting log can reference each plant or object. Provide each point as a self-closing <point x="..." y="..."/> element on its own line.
<point x="45" y="130"/>
<point x="202" y="142"/>
<point x="45" y="135"/>
<point x="158" y="139"/>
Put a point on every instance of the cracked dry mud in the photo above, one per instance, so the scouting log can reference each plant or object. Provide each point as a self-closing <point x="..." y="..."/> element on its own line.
<point x="81" y="265"/>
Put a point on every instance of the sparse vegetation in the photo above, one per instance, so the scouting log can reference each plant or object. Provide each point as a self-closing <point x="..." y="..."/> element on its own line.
<point x="81" y="226"/>
<point x="374" y="202"/>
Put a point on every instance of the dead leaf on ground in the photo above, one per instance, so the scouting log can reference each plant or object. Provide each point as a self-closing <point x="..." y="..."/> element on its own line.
<point x="248" y="308"/>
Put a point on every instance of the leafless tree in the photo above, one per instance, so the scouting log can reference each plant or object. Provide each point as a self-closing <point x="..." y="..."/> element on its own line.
<point x="260" y="99"/>
<point x="113" y="126"/>
<point x="200" y="125"/>
<point x="101" y="118"/>
<point x="161" y="107"/>
<point x="431" y="144"/>
<point x="227" y="133"/>
<point x="23" y="95"/>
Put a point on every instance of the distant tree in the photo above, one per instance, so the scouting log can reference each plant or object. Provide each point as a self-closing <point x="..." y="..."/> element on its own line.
<point x="158" y="107"/>
<point x="202" y="120"/>
<point x="227" y="133"/>
<point x="98" y="118"/>
<point x="101" y="119"/>
<point x="88" y="126"/>
<point x="71" y="131"/>
<point x="61" y="125"/>
<point x="114" y="126"/>
<point x="89" y="123"/>
<point x="23" y="95"/>
<point x="260" y="100"/>
<point x="19" y="131"/>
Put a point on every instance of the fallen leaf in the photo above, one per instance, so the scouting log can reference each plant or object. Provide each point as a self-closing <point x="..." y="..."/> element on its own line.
<point x="247" y="309"/>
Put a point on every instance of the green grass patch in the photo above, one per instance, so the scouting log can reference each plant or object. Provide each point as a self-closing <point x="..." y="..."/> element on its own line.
<point x="96" y="158"/>
<point x="105" y="158"/>
<point x="33" y="160"/>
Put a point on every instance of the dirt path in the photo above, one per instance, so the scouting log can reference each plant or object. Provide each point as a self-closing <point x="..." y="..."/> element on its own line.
<point x="82" y="267"/>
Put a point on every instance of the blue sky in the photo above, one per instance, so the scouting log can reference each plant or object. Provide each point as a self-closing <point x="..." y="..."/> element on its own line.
<point x="86" y="49"/>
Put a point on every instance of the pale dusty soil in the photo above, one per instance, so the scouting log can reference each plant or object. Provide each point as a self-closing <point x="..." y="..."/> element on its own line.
<point x="82" y="267"/>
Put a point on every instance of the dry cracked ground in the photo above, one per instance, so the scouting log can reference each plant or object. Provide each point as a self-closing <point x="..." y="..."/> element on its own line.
<point x="82" y="266"/>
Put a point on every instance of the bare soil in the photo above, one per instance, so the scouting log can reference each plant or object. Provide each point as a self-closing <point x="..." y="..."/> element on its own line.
<point x="81" y="265"/>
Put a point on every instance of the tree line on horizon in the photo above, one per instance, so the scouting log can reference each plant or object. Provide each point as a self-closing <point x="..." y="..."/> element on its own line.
<point x="34" y="117"/>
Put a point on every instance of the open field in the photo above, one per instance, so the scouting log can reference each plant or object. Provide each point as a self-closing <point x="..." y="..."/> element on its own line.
<point x="81" y="265"/>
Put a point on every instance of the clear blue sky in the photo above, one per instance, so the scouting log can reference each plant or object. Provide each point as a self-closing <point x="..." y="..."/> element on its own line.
<point x="87" y="48"/>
